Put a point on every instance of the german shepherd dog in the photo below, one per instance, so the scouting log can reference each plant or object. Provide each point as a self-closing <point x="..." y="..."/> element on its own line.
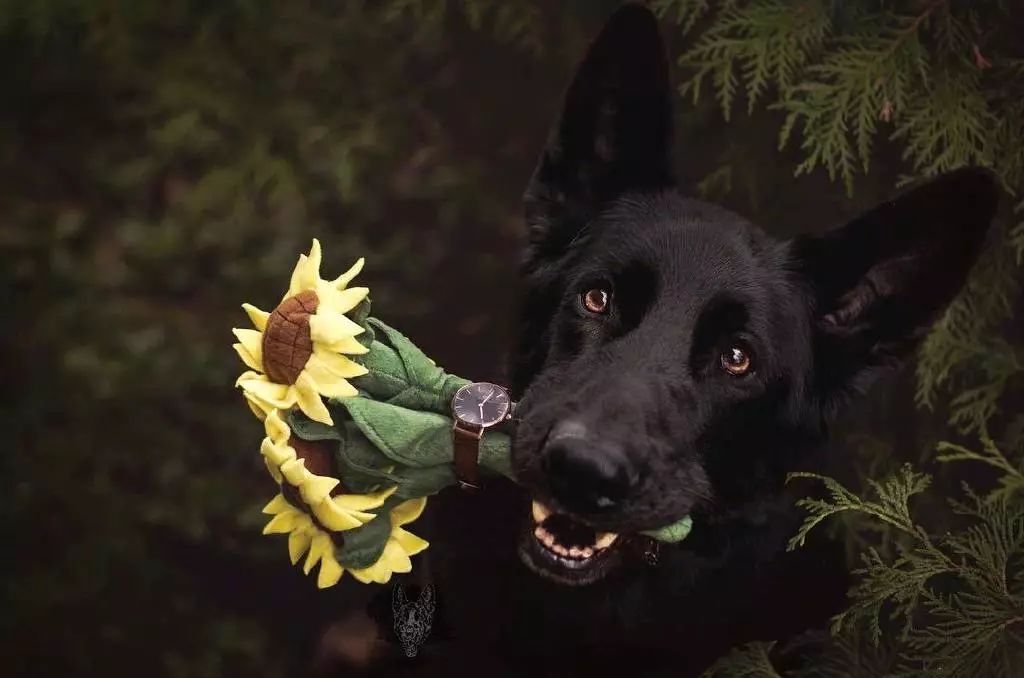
<point x="675" y="360"/>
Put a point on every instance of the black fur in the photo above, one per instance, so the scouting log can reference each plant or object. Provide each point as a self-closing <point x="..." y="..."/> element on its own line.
<point x="820" y="315"/>
<point x="657" y="428"/>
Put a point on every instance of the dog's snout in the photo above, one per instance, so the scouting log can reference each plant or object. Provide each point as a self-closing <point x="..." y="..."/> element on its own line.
<point x="586" y="474"/>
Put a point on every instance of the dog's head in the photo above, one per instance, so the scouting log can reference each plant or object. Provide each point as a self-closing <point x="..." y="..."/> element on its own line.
<point x="672" y="355"/>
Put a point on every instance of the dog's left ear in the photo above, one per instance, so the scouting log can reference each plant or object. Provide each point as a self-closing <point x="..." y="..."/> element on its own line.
<point x="881" y="280"/>
<point x="613" y="134"/>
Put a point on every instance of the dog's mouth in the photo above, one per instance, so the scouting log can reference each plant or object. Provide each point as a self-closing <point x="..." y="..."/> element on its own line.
<point x="562" y="549"/>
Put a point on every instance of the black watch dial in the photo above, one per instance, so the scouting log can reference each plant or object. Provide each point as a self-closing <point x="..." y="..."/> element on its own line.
<point x="481" y="404"/>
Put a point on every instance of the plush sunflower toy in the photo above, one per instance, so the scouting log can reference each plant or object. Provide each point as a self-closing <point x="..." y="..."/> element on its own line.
<point x="358" y="428"/>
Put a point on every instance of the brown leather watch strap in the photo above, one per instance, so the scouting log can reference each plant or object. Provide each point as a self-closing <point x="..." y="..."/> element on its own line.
<point x="466" y="446"/>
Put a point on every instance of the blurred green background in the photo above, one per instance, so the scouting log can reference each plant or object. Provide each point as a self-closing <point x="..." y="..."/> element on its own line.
<point x="162" y="162"/>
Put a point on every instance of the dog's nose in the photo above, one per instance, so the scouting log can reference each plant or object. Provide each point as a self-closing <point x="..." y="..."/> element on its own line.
<point x="586" y="474"/>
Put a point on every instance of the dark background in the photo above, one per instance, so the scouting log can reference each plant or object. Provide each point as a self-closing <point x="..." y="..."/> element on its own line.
<point x="162" y="162"/>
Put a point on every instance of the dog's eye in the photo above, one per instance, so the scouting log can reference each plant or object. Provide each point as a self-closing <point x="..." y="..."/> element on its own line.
<point x="736" y="360"/>
<point x="596" y="300"/>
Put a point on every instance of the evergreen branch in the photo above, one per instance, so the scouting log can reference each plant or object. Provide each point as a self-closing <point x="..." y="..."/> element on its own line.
<point x="890" y="505"/>
<point x="767" y="43"/>
<point x="896" y="588"/>
<point x="947" y="125"/>
<point x="686" y="12"/>
<point x="864" y="80"/>
<point x="747" y="661"/>
<point x="990" y="454"/>
<point x="1016" y="236"/>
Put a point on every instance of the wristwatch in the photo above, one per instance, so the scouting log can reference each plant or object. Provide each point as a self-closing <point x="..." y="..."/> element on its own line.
<point x="476" y="407"/>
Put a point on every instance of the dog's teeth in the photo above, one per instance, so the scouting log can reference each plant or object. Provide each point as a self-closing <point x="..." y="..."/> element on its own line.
<point x="575" y="552"/>
<point x="544" y="536"/>
<point x="540" y="512"/>
<point x="559" y="549"/>
<point x="605" y="539"/>
<point x="587" y="552"/>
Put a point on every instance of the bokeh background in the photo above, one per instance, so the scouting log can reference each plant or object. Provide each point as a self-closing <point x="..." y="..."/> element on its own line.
<point x="163" y="161"/>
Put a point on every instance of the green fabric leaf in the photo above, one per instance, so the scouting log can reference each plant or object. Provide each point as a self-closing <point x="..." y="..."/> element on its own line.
<point x="673" y="533"/>
<point x="401" y="374"/>
<point x="359" y="315"/>
<point x="363" y="545"/>
<point x="307" y="429"/>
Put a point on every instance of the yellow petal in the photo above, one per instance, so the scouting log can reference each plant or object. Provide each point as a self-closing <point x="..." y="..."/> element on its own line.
<point x="276" y="428"/>
<point x="378" y="573"/>
<point x="363" y="502"/>
<point x="265" y="390"/>
<point x="298" y="543"/>
<point x="349" y="345"/>
<point x="276" y="505"/>
<point x="409" y="542"/>
<point x="319" y="545"/>
<point x="337" y="519"/>
<point x="252" y="347"/>
<point x="294" y="471"/>
<point x="336" y="388"/>
<point x="309" y="400"/>
<point x="258" y="407"/>
<point x="284" y="522"/>
<point x="276" y="454"/>
<point x="274" y="473"/>
<point x="317" y="488"/>
<point x="395" y="558"/>
<point x="327" y="383"/>
<point x="307" y="271"/>
<point x="258" y="317"/>
<point x="342" y="281"/>
<point x="249" y="359"/>
<point x="408" y="511"/>
<point x="315" y="257"/>
<point x="330" y="573"/>
<point x="329" y="328"/>
<point x="336" y="364"/>
<point x="335" y="301"/>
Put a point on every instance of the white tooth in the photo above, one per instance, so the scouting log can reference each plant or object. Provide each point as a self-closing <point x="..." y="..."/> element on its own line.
<point x="605" y="539"/>
<point x="544" y="536"/>
<point x="540" y="512"/>
<point x="587" y="552"/>
<point x="575" y="552"/>
<point x="559" y="549"/>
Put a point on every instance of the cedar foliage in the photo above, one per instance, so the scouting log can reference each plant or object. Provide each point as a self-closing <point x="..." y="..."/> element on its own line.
<point x="941" y="81"/>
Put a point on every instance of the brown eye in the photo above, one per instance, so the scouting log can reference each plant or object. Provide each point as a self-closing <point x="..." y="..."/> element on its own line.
<point x="736" y="361"/>
<point x="596" y="300"/>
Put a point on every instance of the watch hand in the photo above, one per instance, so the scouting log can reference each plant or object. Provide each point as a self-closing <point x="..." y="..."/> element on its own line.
<point x="487" y="398"/>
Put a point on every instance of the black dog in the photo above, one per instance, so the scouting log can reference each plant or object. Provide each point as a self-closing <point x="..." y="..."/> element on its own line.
<point x="674" y="357"/>
<point x="676" y="360"/>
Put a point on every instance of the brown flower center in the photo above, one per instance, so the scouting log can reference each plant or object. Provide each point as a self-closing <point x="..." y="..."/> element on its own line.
<point x="287" y="343"/>
<point x="316" y="453"/>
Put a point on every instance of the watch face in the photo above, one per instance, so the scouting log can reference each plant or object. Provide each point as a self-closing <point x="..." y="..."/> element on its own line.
<point x="480" y="404"/>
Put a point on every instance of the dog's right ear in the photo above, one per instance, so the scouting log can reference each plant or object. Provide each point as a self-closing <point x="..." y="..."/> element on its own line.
<point x="613" y="134"/>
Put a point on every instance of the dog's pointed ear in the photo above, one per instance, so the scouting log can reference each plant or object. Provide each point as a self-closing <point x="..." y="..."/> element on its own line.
<point x="881" y="280"/>
<point x="398" y="599"/>
<point x="426" y="599"/>
<point x="613" y="134"/>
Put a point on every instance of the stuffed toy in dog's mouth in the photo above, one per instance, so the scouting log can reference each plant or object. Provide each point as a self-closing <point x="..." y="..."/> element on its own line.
<point x="359" y="433"/>
<point x="566" y="550"/>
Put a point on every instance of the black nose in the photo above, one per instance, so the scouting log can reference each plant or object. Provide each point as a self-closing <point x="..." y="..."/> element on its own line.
<point x="586" y="474"/>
